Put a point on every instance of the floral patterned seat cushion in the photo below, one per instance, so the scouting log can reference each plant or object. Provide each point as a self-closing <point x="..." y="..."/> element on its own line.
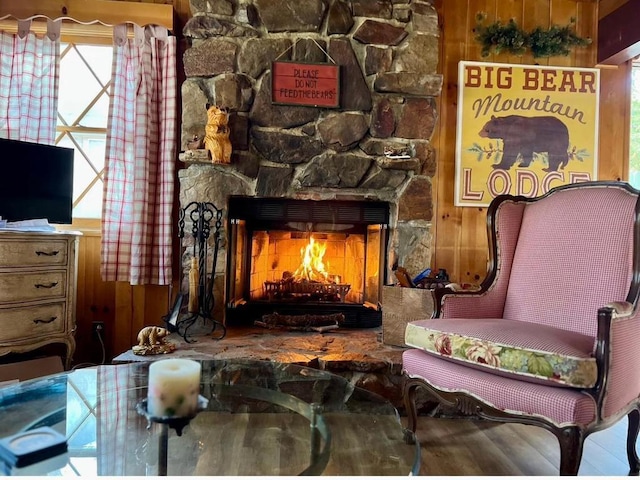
<point x="525" y="350"/>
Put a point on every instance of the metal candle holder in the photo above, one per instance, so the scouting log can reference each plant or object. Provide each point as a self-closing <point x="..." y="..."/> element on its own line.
<point x="166" y="422"/>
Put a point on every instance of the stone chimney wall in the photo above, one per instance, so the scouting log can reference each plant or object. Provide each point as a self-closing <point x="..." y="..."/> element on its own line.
<point x="376" y="145"/>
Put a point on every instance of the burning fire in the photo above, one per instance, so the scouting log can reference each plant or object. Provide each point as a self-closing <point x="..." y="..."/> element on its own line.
<point x="311" y="280"/>
<point x="312" y="267"/>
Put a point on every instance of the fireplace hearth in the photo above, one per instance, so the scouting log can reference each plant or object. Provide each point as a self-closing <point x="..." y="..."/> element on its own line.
<point x="301" y="257"/>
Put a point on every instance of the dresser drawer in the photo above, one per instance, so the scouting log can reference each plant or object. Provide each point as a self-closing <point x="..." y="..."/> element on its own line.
<point x="32" y="322"/>
<point x="21" y="287"/>
<point x="23" y="253"/>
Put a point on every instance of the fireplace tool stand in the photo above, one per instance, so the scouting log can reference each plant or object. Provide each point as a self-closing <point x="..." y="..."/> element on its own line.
<point x="201" y="300"/>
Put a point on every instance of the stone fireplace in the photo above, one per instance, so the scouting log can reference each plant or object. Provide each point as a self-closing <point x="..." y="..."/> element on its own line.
<point x="371" y="154"/>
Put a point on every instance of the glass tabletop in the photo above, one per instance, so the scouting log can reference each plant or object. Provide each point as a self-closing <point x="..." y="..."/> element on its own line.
<point x="260" y="418"/>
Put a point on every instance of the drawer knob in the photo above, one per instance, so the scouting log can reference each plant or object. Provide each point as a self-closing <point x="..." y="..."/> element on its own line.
<point x="48" y="254"/>
<point x="49" y="285"/>
<point x="38" y="320"/>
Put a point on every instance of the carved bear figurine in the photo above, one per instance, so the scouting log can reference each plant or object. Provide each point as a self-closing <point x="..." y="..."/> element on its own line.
<point x="216" y="138"/>
<point x="150" y="336"/>
<point x="521" y="136"/>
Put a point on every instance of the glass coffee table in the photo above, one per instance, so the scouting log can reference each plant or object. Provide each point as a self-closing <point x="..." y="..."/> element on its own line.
<point x="260" y="418"/>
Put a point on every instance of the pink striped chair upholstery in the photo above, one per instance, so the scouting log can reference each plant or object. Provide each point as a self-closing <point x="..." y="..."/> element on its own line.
<point x="552" y="337"/>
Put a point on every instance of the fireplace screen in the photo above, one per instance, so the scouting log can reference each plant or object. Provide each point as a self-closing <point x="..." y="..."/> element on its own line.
<point x="301" y="256"/>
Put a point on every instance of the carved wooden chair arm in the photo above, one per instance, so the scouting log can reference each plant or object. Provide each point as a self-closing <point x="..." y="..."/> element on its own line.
<point x="621" y="308"/>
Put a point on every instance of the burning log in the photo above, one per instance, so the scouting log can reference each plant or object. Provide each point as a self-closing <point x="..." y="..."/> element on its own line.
<point x="305" y="322"/>
<point x="310" y="281"/>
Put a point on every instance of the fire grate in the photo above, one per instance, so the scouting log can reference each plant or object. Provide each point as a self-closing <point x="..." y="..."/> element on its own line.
<point x="323" y="290"/>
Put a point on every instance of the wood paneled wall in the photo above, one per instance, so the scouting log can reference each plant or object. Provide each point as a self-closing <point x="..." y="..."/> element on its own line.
<point x="460" y="232"/>
<point x="615" y="105"/>
<point x="95" y="299"/>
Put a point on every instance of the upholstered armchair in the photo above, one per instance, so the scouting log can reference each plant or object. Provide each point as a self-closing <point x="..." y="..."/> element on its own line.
<point x="552" y="337"/>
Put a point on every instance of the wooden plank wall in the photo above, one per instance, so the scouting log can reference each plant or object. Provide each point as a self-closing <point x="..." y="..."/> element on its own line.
<point x="460" y="232"/>
<point x="123" y="308"/>
<point x="615" y="110"/>
<point x="95" y="299"/>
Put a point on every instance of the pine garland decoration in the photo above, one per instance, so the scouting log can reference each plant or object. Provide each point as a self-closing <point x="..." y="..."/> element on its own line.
<point x="510" y="38"/>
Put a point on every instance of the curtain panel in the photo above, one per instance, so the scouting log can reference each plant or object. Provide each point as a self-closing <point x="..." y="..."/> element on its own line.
<point x="140" y="158"/>
<point x="29" y="78"/>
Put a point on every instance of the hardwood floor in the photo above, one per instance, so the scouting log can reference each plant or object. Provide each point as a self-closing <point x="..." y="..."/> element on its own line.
<point x="227" y="444"/>
<point x="455" y="447"/>
<point x="448" y="447"/>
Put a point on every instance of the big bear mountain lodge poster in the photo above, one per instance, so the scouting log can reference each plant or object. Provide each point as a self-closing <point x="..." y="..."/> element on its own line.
<point x="524" y="129"/>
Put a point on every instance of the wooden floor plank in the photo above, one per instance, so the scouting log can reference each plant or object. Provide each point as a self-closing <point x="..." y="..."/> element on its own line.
<point x="513" y="444"/>
<point x="614" y="436"/>
<point x="275" y="444"/>
<point x="272" y="444"/>
<point x="375" y="440"/>
<point x="465" y="447"/>
<point x="599" y="460"/>
<point x="451" y="447"/>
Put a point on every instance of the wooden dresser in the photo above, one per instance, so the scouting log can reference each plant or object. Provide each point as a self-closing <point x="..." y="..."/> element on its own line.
<point x="37" y="291"/>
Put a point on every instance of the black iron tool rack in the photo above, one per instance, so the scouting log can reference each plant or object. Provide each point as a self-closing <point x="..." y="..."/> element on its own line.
<point x="201" y="216"/>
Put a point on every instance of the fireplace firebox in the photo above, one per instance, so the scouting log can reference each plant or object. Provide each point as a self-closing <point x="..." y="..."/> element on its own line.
<point x="300" y="257"/>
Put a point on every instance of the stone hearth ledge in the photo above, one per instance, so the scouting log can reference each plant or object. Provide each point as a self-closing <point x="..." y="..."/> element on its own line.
<point x="359" y="355"/>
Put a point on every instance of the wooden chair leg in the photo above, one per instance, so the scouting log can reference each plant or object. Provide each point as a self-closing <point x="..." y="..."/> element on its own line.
<point x="632" y="437"/>
<point x="409" y="396"/>
<point x="571" y="441"/>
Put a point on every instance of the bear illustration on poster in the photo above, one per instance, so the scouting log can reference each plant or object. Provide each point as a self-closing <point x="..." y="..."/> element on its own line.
<point x="522" y="136"/>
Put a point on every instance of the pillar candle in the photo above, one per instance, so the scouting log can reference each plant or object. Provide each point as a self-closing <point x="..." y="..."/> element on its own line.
<point x="174" y="386"/>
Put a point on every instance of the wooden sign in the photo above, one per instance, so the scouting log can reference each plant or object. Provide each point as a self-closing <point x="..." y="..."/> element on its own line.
<point x="309" y="84"/>
<point x="524" y="129"/>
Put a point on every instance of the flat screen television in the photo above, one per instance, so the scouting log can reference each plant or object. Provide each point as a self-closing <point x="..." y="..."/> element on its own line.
<point x="36" y="181"/>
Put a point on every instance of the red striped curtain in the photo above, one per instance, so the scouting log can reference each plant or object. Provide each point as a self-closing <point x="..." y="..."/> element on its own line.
<point x="29" y="78"/>
<point x="140" y="158"/>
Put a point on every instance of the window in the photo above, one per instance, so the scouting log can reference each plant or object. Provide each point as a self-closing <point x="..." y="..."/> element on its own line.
<point x="634" y="147"/>
<point x="83" y="107"/>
